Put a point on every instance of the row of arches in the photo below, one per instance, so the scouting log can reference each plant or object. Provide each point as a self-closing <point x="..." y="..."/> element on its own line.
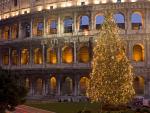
<point x="67" y="55"/>
<point x="66" y="87"/>
<point x="67" y="25"/>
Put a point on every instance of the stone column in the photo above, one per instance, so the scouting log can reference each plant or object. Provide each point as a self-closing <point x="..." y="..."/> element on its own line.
<point x="31" y="28"/>
<point x="59" y="26"/>
<point x="44" y="29"/>
<point x="75" y="23"/>
<point x="9" y="56"/>
<point x="76" y="92"/>
<point x="59" y="55"/>
<point x="58" y="85"/>
<point x="43" y="54"/>
<point x="31" y="55"/>
<point x="19" y="30"/>
<point x="128" y="21"/>
<point x="19" y="56"/>
<point x="75" y="52"/>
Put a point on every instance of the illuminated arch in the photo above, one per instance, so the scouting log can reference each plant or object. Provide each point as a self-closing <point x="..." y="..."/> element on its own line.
<point x="24" y="56"/>
<point x="84" y="23"/>
<point x="5" y="32"/>
<point x="136" y="21"/>
<point x="139" y="85"/>
<point x="68" y="22"/>
<point x="5" y="57"/>
<point x="138" y="52"/>
<point x="39" y="86"/>
<point x="38" y="27"/>
<point x="67" y="54"/>
<point x="83" y="84"/>
<point x="51" y="56"/>
<point x="84" y="55"/>
<point x="67" y="86"/>
<point x="14" y="31"/>
<point x="99" y="21"/>
<point x="37" y="56"/>
<point x="15" y="56"/>
<point x="53" y="85"/>
<point x="120" y="20"/>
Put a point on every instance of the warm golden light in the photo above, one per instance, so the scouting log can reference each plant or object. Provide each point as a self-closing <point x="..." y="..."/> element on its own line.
<point x="67" y="55"/>
<point x="51" y="56"/>
<point x="5" y="58"/>
<point x="15" y="59"/>
<point x="37" y="56"/>
<point x="138" y="53"/>
<point x="139" y="85"/>
<point x="53" y="84"/>
<point x="24" y="56"/>
<point x="84" y="56"/>
<point x="83" y="85"/>
<point x="39" y="86"/>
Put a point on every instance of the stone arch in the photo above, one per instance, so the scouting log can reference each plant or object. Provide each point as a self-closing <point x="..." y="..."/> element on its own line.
<point x="99" y="21"/>
<point x="14" y="31"/>
<point x="67" y="54"/>
<point x="5" y="57"/>
<point x="38" y="27"/>
<point x="136" y="21"/>
<point x="139" y="84"/>
<point x="15" y="56"/>
<point x="120" y="20"/>
<point x="84" y="54"/>
<point x="39" y="86"/>
<point x="68" y="25"/>
<point x="51" y="56"/>
<point x="84" y="23"/>
<point x="83" y="84"/>
<point x="53" y="85"/>
<point x="52" y="26"/>
<point x="138" y="52"/>
<point x="6" y="32"/>
<point x="24" y="56"/>
<point x="38" y="56"/>
<point x="67" y="86"/>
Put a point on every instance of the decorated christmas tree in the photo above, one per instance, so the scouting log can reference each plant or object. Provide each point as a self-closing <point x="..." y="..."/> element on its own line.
<point x="111" y="79"/>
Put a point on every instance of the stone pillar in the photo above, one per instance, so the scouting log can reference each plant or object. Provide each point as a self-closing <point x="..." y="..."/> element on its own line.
<point x="32" y="87"/>
<point x="75" y="23"/>
<point x="58" y="85"/>
<point x="9" y="56"/>
<point x="59" y="26"/>
<point x="10" y="33"/>
<point x="128" y="21"/>
<point x="93" y="22"/>
<point x="75" y="52"/>
<point x="31" y="28"/>
<point x="44" y="29"/>
<point x="19" y="56"/>
<point x="43" y="54"/>
<point x="76" y="84"/>
<point x="59" y="55"/>
<point x="31" y="55"/>
<point x="19" y="30"/>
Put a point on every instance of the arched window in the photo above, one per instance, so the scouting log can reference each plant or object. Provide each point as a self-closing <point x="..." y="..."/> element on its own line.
<point x="67" y="55"/>
<point x="53" y="27"/>
<point x="14" y="31"/>
<point x="138" y="53"/>
<point x="136" y="20"/>
<point x="37" y="56"/>
<point x="15" y="59"/>
<point x="27" y="29"/>
<point x="5" y="57"/>
<point x="51" y="56"/>
<point x="5" y="32"/>
<point x="120" y="20"/>
<point x="24" y="56"/>
<point x="67" y="86"/>
<point x="53" y="85"/>
<point x="39" y="86"/>
<point x="84" y="23"/>
<point x="83" y="85"/>
<point x="68" y="22"/>
<point x="84" y="56"/>
<point x="38" y="27"/>
<point x="99" y="21"/>
<point x="139" y="85"/>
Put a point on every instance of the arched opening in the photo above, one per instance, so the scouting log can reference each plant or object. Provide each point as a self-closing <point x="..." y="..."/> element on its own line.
<point x="84" y="23"/>
<point x="27" y="83"/>
<point x="27" y="29"/>
<point x="37" y="56"/>
<point x="5" y="57"/>
<point x="84" y="55"/>
<point x="68" y="22"/>
<point x="53" y="27"/>
<point x="139" y="85"/>
<point x="15" y="56"/>
<point x="24" y="56"/>
<point x="67" y="86"/>
<point x="5" y="32"/>
<point x="67" y="55"/>
<point x="136" y="20"/>
<point x="39" y="86"/>
<point x="53" y="85"/>
<point x="99" y="21"/>
<point x="83" y="84"/>
<point x="51" y="56"/>
<point x="38" y="27"/>
<point x="120" y="20"/>
<point x="14" y="31"/>
<point x="138" y="53"/>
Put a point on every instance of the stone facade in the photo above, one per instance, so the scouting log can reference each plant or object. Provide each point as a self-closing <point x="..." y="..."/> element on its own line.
<point x="50" y="43"/>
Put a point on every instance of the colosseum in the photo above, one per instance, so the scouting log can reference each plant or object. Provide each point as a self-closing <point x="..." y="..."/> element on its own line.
<point x="49" y="43"/>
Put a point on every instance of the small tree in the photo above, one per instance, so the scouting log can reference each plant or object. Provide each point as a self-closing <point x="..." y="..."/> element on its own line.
<point x="111" y="80"/>
<point x="11" y="92"/>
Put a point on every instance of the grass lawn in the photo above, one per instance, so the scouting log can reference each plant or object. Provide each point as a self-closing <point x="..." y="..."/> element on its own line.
<point x="68" y="107"/>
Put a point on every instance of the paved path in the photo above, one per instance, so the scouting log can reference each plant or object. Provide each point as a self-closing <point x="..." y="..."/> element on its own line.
<point x="27" y="109"/>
